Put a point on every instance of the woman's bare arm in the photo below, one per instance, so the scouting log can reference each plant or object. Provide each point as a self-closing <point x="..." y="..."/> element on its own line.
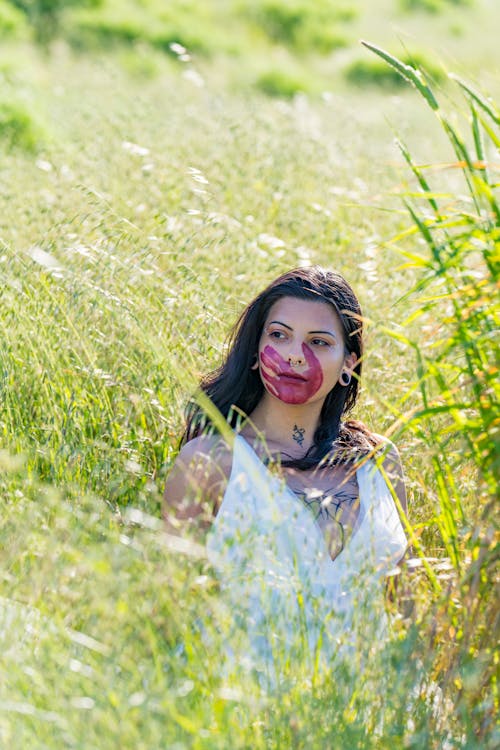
<point x="392" y="469"/>
<point x="195" y="484"/>
<point x="395" y="476"/>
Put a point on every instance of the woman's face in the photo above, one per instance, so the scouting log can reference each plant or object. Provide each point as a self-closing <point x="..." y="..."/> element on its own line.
<point x="301" y="351"/>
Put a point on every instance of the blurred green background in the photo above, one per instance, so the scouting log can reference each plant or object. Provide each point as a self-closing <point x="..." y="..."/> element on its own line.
<point x="280" y="47"/>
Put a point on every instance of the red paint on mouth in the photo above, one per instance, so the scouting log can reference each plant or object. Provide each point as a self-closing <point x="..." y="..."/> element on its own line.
<point x="291" y="376"/>
<point x="287" y="376"/>
<point x="285" y="382"/>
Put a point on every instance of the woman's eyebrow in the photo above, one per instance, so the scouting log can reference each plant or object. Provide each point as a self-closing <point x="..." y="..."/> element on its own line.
<point x="280" y="324"/>
<point x="328" y="333"/>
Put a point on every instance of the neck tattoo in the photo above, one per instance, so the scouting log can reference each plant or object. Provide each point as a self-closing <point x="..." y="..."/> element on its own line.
<point x="298" y="434"/>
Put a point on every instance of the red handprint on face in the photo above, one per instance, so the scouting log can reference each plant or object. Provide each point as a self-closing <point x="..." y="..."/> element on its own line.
<point x="287" y="383"/>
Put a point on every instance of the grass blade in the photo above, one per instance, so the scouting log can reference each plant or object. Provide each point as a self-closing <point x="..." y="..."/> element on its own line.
<point x="418" y="174"/>
<point x="488" y="106"/>
<point x="410" y="74"/>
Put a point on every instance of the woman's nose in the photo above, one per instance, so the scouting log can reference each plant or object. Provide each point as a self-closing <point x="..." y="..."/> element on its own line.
<point x="296" y="358"/>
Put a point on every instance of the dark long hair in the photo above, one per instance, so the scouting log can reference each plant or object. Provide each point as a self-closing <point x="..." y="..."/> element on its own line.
<point x="236" y="384"/>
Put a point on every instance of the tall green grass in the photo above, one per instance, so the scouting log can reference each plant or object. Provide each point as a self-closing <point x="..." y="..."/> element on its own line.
<point x="456" y="305"/>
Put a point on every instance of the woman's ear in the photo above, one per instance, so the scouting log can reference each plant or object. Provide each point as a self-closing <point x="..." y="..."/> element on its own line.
<point x="255" y="362"/>
<point x="345" y="376"/>
<point x="350" y="362"/>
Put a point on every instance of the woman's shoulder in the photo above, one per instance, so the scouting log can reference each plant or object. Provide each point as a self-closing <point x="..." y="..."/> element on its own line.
<point x="383" y="445"/>
<point x="209" y="450"/>
<point x="197" y="480"/>
<point x="389" y="462"/>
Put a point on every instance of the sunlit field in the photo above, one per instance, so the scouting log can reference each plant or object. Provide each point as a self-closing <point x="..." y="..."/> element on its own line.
<point x="151" y="186"/>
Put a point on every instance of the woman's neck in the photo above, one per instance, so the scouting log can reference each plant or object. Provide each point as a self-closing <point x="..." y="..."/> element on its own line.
<point x="289" y="427"/>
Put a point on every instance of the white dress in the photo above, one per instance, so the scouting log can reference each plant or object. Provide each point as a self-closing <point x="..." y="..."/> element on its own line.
<point x="282" y="586"/>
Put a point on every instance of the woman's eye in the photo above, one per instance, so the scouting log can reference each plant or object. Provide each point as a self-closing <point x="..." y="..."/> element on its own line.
<point x="320" y="342"/>
<point x="277" y="335"/>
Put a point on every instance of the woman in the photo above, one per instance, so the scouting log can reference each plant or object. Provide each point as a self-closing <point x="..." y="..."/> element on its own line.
<point x="300" y="495"/>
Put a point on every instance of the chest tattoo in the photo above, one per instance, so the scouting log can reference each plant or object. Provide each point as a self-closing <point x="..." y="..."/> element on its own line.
<point x="335" y="511"/>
